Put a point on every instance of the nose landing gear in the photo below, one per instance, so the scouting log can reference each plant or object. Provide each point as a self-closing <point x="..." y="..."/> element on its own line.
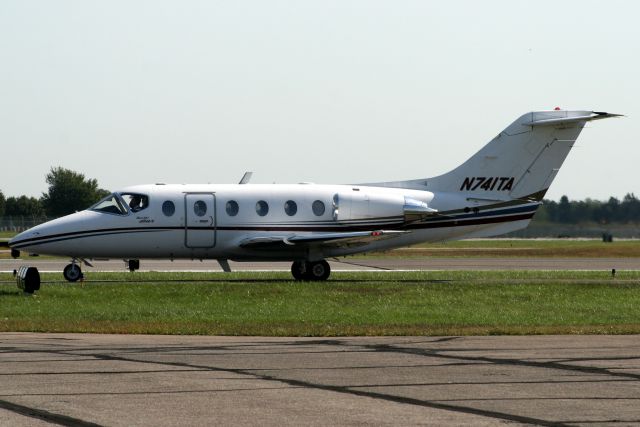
<point x="308" y="270"/>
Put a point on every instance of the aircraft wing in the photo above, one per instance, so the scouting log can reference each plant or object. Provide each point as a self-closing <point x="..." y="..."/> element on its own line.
<point x="337" y="239"/>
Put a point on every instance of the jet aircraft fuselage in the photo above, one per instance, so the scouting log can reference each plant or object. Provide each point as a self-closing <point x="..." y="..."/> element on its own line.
<point x="494" y="192"/>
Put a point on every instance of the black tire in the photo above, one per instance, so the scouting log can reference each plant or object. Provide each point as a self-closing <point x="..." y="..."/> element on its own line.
<point x="319" y="270"/>
<point x="298" y="270"/>
<point x="28" y="288"/>
<point x="133" y="264"/>
<point x="31" y="280"/>
<point x="72" y="272"/>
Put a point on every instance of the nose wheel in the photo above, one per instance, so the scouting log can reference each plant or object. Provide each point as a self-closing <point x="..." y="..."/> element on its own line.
<point x="306" y="270"/>
<point x="72" y="272"/>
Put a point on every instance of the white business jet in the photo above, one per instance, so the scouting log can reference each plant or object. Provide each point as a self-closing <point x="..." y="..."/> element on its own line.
<point x="496" y="191"/>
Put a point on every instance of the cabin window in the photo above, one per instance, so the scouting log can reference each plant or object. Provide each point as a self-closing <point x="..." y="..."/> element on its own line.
<point x="232" y="208"/>
<point x="136" y="202"/>
<point x="262" y="208"/>
<point x="318" y="208"/>
<point x="200" y="208"/>
<point x="290" y="207"/>
<point x="111" y="204"/>
<point x="168" y="208"/>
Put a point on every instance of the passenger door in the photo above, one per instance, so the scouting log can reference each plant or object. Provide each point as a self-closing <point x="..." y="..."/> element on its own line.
<point x="200" y="220"/>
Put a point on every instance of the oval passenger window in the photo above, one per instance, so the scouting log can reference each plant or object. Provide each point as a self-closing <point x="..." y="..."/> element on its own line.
<point x="290" y="207"/>
<point x="232" y="208"/>
<point x="200" y="208"/>
<point x="318" y="208"/>
<point x="262" y="208"/>
<point x="168" y="208"/>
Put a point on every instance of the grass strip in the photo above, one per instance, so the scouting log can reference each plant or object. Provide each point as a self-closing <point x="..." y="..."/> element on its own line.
<point x="371" y="303"/>
<point x="552" y="248"/>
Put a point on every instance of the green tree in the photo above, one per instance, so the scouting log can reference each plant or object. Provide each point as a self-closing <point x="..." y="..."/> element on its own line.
<point x="550" y="209"/>
<point x="564" y="210"/>
<point x="3" y="203"/>
<point x="631" y="207"/>
<point x="23" y="206"/>
<point x="69" y="192"/>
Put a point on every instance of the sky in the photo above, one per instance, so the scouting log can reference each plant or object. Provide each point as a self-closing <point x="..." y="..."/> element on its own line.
<point x="134" y="92"/>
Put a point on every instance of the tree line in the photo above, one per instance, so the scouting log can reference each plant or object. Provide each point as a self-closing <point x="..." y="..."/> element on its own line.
<point x="68" y="192"/>
<point x="625" y="211"/>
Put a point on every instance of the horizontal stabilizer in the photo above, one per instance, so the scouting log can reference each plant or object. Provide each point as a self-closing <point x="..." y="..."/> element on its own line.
<point x="593" y="115"/>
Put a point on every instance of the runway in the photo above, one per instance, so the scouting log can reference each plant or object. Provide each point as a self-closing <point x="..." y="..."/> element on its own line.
<point x="82" y="380"/>
<point x="349" y="264"/>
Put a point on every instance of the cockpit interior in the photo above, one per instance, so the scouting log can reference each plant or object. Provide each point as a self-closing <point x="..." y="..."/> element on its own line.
<point x="121" y="203"/>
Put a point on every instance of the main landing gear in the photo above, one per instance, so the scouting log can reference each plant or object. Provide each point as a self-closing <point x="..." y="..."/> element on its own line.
<point x="310" y="270"/>
<point x="72" y="272"/>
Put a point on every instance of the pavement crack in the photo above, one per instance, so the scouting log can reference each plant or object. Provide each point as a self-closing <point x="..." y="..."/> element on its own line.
<point x="500" y="361"/>
<point x="41" y="414"/>
<point x="351" y="391"/>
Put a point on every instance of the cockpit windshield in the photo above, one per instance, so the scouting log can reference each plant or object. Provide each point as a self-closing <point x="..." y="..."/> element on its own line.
<point x="121" y="204"/>
<point x="111" y="204"/>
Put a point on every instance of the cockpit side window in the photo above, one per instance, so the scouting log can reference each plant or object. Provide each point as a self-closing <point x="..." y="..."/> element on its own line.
<point x="135" y="201"/>
<point x="111" y="204"/>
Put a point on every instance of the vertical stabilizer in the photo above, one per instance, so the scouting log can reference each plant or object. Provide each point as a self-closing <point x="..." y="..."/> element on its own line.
<point x="520" y="162"/>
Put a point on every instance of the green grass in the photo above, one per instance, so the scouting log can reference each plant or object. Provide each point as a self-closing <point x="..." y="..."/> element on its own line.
<point x="270" y="304"/>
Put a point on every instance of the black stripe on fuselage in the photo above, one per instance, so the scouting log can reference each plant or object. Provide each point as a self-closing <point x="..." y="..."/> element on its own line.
<point x="514" y="214"/>
<point x="83" y="234"/>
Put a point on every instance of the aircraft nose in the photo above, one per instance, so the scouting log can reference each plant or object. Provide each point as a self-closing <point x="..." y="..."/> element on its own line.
<point x="45" y="239"/>
<point x="17" y="238"/>
<point x="38" y="235"/>
<point x="23" y="238"/>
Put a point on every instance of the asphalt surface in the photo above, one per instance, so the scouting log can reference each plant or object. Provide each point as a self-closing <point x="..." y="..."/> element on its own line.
<point x="124" y="380"/>
<point x="348" y="264"/>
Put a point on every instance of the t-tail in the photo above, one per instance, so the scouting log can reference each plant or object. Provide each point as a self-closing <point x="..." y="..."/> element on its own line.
<point x="520" y="163"/>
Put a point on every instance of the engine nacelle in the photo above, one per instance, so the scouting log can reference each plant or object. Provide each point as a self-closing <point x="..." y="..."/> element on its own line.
<point x="360" y="205"/>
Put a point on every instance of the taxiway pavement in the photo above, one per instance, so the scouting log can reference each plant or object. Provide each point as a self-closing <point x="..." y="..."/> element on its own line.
<point x="349" y="264"/>
<point x="123" y="380"/>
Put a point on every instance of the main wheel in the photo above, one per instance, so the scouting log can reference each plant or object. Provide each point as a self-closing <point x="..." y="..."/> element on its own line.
<point x="298" y="270"/>
<point x="319" y="270"/>
<point x="72" y="272"/>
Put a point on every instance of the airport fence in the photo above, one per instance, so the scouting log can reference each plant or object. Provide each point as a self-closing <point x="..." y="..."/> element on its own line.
<point x="17" y="224"/>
